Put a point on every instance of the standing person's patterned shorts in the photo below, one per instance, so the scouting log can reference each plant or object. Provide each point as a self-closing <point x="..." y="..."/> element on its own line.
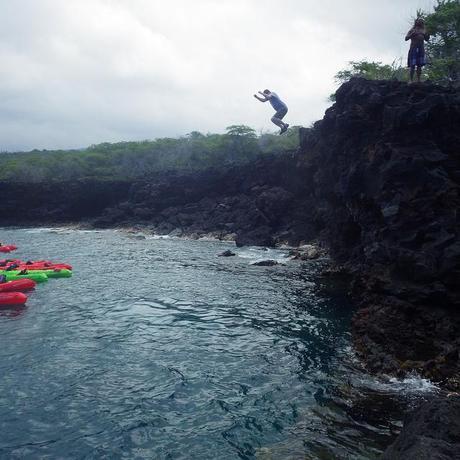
<point x="416" y="57"/>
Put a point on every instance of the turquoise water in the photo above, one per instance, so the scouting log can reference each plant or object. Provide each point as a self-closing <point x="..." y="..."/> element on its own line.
<point x="156" y="348"/>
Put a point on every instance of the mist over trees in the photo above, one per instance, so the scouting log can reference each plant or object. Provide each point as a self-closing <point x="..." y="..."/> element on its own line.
<point x="127" y="160"/>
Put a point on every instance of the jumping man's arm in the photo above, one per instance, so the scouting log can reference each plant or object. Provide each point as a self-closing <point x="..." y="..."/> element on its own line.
<point x="260" y="99"/>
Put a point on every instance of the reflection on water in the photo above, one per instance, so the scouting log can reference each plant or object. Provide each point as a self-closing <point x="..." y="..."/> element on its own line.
<point x="157" y="348"/>
<point x="11" y="311"/>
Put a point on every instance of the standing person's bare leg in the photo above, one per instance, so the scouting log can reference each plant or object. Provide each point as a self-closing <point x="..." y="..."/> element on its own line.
<point x="419" y="74"/>
<point x="411" y="73"/>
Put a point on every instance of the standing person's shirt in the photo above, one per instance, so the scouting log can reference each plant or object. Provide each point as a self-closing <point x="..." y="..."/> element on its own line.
<point x="276" y="102"/>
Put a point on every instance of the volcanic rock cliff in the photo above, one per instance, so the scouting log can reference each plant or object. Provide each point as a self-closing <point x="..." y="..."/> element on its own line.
<point x="385" y="162"/>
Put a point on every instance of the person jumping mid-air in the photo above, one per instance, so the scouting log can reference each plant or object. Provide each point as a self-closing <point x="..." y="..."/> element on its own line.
<point x="416" y="58"/>
<point x="278" y="105"/>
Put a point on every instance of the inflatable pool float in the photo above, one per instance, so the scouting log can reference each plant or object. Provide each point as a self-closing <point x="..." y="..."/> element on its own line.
<point x="47" y="264"/>
<point x="12" y="298"/>
<point x="8" y="248"/>
<point x="15" y="266"/>
<point x="37" y="277"/>
<point x="17" y="286"/>
<point x="49" y="273"/>
<point x="39" y="264"/>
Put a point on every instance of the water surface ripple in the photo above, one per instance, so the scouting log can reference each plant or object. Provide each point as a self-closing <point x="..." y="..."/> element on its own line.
<point x="156" y="348"/>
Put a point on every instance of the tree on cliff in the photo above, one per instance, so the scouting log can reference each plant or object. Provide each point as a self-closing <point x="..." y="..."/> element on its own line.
<point x="241" y="142"/>
<point x="371" y="70"/>
<point x="241" y="130"/>
<point x="443" y="49"/>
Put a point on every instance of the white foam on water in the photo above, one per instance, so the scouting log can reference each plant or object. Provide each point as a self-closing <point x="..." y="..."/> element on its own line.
<point x="158" y="237"/>
<point x="62" y="230"/>
<point x="412" y="384"/>
<point x="39" y="230"/>
<point x="255" y="254"/>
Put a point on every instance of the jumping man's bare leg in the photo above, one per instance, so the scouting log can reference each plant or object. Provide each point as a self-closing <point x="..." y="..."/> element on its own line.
<point x="278" y="122"/>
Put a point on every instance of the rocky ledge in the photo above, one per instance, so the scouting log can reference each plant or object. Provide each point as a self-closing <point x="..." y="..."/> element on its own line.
<point x="430" y="433"/>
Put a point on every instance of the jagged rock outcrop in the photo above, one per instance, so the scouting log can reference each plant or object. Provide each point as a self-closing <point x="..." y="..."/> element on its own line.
<point x="430" y="433"/>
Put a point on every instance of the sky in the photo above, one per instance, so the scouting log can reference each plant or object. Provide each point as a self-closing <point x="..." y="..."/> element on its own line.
<point x="80" y="72"/>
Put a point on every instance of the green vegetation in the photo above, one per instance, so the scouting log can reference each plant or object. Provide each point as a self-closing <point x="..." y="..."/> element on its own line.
<point x="372" y="71"/>
<point x="128" y="160"/>
<point x="442" y="50"/>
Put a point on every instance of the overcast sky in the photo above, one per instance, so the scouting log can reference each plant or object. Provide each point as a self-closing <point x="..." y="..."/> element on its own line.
<point x="80" y="72"/>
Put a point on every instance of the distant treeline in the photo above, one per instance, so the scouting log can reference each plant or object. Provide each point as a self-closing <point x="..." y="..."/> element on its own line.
<point x="128" y="160"/>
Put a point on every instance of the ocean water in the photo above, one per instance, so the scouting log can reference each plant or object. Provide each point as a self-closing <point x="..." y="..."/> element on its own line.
<point x="158" y="349"/>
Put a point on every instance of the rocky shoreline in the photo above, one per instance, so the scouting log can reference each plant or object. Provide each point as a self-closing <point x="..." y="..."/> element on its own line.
<point x="376" y="183"/>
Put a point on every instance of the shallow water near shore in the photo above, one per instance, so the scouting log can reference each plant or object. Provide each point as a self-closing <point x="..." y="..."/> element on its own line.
<point x="157" y="348"/>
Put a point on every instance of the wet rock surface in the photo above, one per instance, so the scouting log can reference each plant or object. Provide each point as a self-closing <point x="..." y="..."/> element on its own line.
<point x="430" y="433"/>
<point x="265" y="263"/>
<point x="227" y="253"/>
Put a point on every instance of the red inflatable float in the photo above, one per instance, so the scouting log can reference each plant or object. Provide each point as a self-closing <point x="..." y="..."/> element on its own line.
<point x="37" y="265"/>
<point x="12" y="298"/>
<point x="8" y="248"/>
<point x="17" y="285"/>
<point x="31" y="267"/>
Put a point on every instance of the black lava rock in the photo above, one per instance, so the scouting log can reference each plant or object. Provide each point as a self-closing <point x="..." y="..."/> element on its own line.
<point x="227" y="253"/>
<point x="430" y="433"/>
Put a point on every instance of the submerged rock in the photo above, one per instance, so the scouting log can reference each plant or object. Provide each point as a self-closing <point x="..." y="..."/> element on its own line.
<point x="265" y="263"/>
<point x="227" y="253"/>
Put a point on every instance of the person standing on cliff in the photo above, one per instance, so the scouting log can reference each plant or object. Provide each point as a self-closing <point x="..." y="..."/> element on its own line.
<point x="416" y="58"/>
<point x="279" y="106"/>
